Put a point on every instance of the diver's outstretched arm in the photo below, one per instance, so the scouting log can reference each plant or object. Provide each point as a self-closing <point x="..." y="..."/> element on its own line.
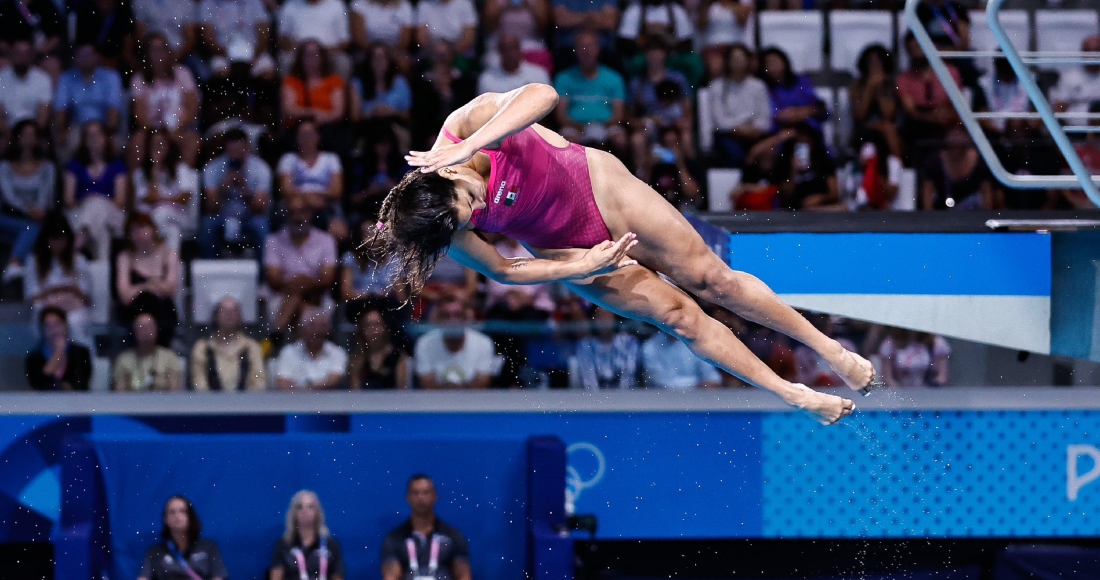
<point x="468" y="249"/>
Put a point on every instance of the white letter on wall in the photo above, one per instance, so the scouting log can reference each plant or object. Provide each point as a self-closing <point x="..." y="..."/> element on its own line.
<point x="1075" y="480"/>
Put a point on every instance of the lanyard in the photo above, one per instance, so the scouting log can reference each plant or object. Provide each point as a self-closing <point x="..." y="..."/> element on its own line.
<point x="946" y="22"/>
<point x="433" y="556"/>
<point x="300" y="558"/>
<point x="183" y="561"/>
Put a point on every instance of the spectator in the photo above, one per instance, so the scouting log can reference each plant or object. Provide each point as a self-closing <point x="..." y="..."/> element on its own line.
<point x="312" y="91"/>
<point x="366" y="282"/>
<point x="228" y="360"/>
<point x="955" y="177"/>
<point x="164" y="187"/>
<point x="927" y="112"/>
<point x="95" y="190"/>
<point x="38" y="23"/>
<point x="166" y="99"/>
<point x="527" y="20"/>
<point x="609" y="358"/>
<point x="813" y="371"/>
<point x="662" y="100"/>
<point x="793" y="97"/>
<point x="27" y="89"/>
<point x="182" y="551"/>
<point x="317" y="177"/>
<point x="390" y="23"/>
<point x="237" y="31"/>
<point x="109" y="26"/>
<point x="57" y="276"/>
<point x="148" y="276"/>
<point x="914" y="359"/>
<point x="669" y="174"/>
<point x="1078" y="87"/>
<point x="453" y="357"/>
<point x="1006" y="94"/>
<point x="174" y="22"/>
<point x="307" y="547"/>
<point x="513" y="72"/>
<point x="376" y="361"/>
<point x="380" y="93"/>
<point x="646" y="20"/>
<point x="741" y="108"/>
<point x="27" y="183"/>
<point x="411" y="549"/>
<point x="323" y="21"/>
<point x="438" y="90"/>
<point x="572" y="17"/>
<point x="147" y="366"/>
<point x="876" y="180"/>
<point x="236" y="197"/>
<point x="515" y="304"/>
<point x="312" y="362"/>
<point x="669" y="364"/>
<point x="875" y="108"/>
<point x="451" y="21"/>
<point x="58" y="363"/>
<point x="725" y="24"/>
<point x="381" y="170"/>
<point x="86" y="93"/>
<point x="591" y="105"/>
<point x="299" y="263"/>
<point x="948" y="23"/>
<point x="806" y="173"/>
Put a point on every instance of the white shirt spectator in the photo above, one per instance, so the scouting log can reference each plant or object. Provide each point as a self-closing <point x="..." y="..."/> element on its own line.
<point x="497" y="80"/>
<point x="669" y="364"/>
<point x="630" y="27"/>
<point x="446" y="19"/>
<point x="736" y="104"/>
<point x="168" y="17"/>
<point x="310" y="178"/>
<point x="914" y="364"/>
<point x="186" y="180"/>
<point x="1077" y="88"/>
<point x="723" y="28"/>
<point x="384" y="22"/>
<point x="235" y="22"/>
<point x="21" y="97"/>
<point x="325" y="21"/>
<point x="433" y="358"/>
<point x="295" y="364"/>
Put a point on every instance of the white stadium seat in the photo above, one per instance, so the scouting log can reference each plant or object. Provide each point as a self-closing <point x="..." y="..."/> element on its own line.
<point x="853" y="31"/>
<point x="1063" y="30"/>
<point x="799" y="34"/>
<point x="212" y="280"/>
<point x="706" y="119"/>
<point x="720" y="184"/>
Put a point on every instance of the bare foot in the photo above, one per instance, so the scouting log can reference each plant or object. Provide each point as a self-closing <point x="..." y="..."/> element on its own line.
<point x="856" y="371"/>
<point x="824" y="408"/>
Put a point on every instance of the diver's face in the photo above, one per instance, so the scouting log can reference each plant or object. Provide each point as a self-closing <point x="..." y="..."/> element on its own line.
<point x="470" y="190"/>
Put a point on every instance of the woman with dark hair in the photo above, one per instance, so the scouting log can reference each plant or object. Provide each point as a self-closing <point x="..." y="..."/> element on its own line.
<point x="376" y="361"/>
<point x="956" y="177"/>
<point x="662" y="100"/>
<point x="316" y="176"/>
<point x="57" y="276"/>
<point x="312" y="90"/>
<point x="440" y="87"/>
<point x="95" y="190"/>
<point x="793" y="97"/>
<point x="875" y="107"/>
<point x="494" y="169"/>
<point x="58" y="363"/>
<point x="27" y="185"/>
<point x="164" y="187"/>
<point x="382" y="168"/>
<point x="147" y="277"/>
<point x="182" y="553"/>
<point x="166" y="98"/>
<point x="380" y="93"/>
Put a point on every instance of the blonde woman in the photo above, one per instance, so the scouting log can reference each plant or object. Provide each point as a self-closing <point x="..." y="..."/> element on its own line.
<point x="307" y="550"/>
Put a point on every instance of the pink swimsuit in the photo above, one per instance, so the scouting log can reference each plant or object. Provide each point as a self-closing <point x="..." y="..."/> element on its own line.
<point x="540" y="194"/>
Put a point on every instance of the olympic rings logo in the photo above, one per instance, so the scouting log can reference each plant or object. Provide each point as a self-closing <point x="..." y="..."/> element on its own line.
<point x="575" y="484"/>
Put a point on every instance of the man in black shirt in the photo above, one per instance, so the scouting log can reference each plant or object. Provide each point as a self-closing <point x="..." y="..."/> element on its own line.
<point x="58" y="364"/>
<point x="424" y="547"/>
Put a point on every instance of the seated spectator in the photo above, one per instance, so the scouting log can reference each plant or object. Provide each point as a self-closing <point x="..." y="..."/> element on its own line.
<point x="37" y="23"/>
<point x="57" y="276"/>
<point x="572" y="17"/>
<point x="591" y="106"/>
<point x="452" y="21"/>
<point x="164" y="186"/>
<point x="956" y="177"/>
<point x="668" y="364"/>
<point x="380" y="93"/>
<point x="409" y="549"/>
<point x="237" y="31"/>
<point x="813" y="371"/>
<point x="608" y="359"/>
<point x="390" y="23"/>
<point x="236" y="198"/>
<point x="95" y="191"/>
<point x="174" y="22"/>
<point x="876" y="178"/>
<point x="311" y="91"/>
<point x="438" y="90"/>
<point x="669" y="174"/>
<point x="875" y="107"/>
<point x="86" y="93"/>
<point x="453" y="357"/>
<point x="182" y="551"/>
<point x="741" y="108"/>
<point x="299" y="264"/>
<point x="147" y="366"/>
<point x="315" y="176"/>
<point x="793" y="97"/>
<point x="323" y="21"/>
<point x="109" y="26"/>
<point x="228" y="360"/>
<point x="365" y="281"/>
<point x="57" y="363"/>
<point x="376" y="361"/>
<point x="948" y="23"/>
<point x="513" y="72"/>
<point x="28" y="90"/>
<point x="661" y="100"/>
<point x="166" y="99"/>
<point x="27" y="184"/>
<point x="148" y="276"/>
<point x="312" y="362"/>
<point x="927" y="112"/>
<point x="307" y="547"/>
<point x="725" y="24"/>
<point x="806" y="173"/>
<point x="381" y="170"/>
<point x="528" y="303"/>
<point x="527" y="20"/>
<point x="1005" y="94"/>
<point x="645" y="20"/>
<point x="914" y="359"/>
<point x="1078" y="87"/>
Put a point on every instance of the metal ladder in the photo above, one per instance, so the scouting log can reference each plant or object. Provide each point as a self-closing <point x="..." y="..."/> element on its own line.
<point x="1081" y="179"/>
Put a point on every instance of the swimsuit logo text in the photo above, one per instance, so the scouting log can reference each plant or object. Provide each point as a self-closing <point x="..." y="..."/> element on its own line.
<point x="500" y="190"/>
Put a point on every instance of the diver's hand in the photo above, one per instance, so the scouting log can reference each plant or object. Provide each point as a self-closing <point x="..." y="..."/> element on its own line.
<point x="608" y="256"/>
<point x="436" y="159"/>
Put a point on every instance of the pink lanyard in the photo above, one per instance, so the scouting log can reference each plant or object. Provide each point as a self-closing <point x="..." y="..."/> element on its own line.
<point x="191" y="573"/>
<point x="433" y="556"/>
<point x="300" y="558"/>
